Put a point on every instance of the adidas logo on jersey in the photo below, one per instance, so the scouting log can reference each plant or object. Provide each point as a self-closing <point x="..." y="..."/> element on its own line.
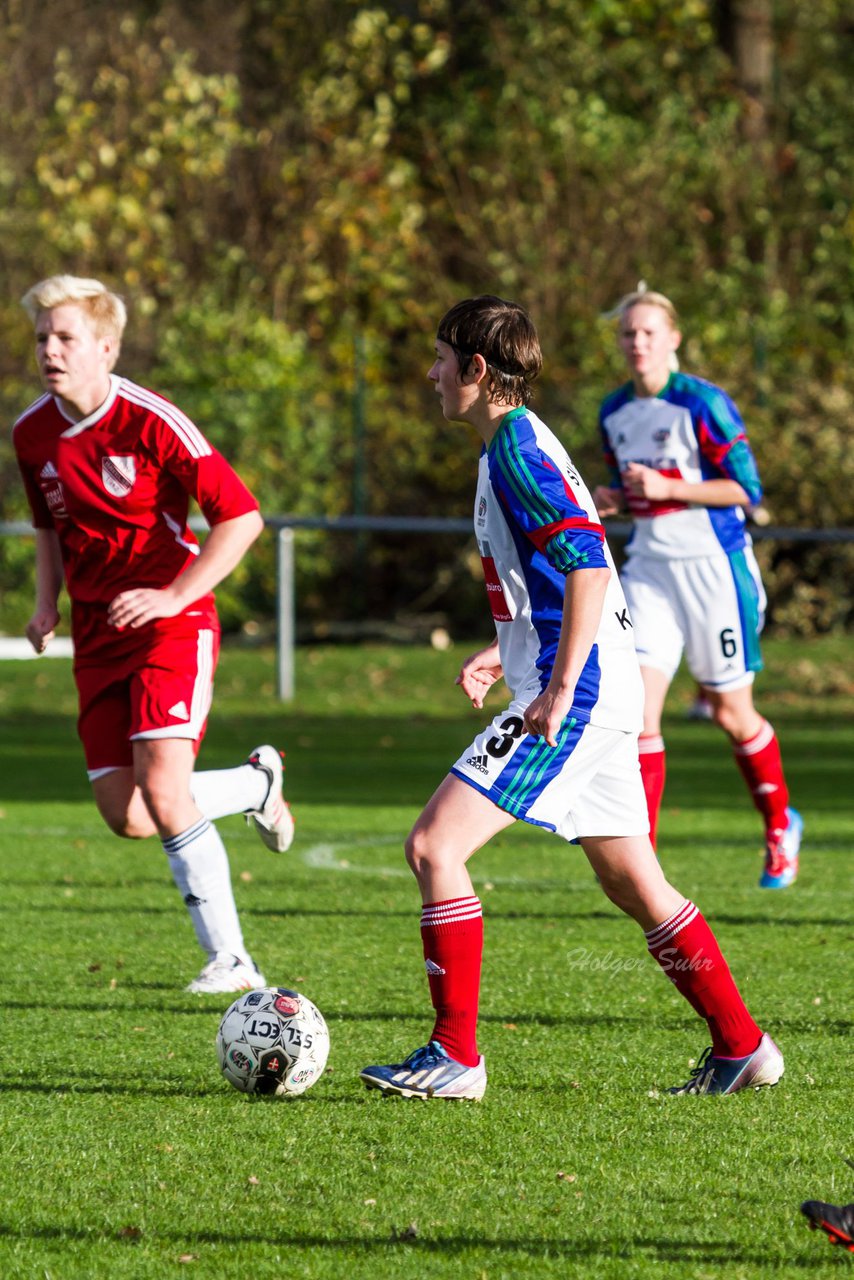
<point x="52" y="490"/>
<point x="433" y="969"/>
<point x="481" y="763"/>
<point x="180" y="711"/>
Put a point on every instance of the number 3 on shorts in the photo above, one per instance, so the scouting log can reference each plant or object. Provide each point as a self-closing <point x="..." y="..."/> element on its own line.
<point x="511" y="728"/>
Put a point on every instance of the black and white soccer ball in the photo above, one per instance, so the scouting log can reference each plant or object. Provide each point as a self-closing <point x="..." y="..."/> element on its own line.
<point x="272" y="1041"/>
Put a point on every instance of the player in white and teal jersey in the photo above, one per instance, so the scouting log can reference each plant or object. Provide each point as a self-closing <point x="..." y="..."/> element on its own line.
<point x="536" y="526"/>
<point x="682" y="466"/>
<point x="563" y="753"/>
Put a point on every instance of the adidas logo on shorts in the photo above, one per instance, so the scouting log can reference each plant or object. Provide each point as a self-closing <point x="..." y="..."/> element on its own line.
<point x="481" y="763"/>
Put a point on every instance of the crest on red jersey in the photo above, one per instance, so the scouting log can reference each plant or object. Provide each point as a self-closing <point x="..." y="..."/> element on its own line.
<point x="118" y="474"/>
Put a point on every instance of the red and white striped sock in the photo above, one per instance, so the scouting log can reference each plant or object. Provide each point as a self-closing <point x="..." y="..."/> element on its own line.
<point x="761" y="765"/>
<point x="452" y="938"/>
<point x="688" y="952"/>
<point x="653" y="767"/>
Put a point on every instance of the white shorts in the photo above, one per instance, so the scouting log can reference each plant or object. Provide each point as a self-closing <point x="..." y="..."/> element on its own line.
<point x="588" y="785"/>
<point x="712" y="607"/>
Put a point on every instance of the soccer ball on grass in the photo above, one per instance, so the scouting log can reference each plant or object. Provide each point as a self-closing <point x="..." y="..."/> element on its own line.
<point x="272" y="1041"/>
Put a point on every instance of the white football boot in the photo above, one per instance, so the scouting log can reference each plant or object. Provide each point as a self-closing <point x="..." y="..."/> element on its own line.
<point x="226" y="974"/>
<point x="274" y="821"/>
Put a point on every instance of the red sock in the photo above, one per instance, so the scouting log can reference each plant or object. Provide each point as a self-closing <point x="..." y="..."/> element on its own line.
<point x="653" y="769"/>
<point x="688" y="952"/>
<point x="452" y="937"/>
<point x="762" y="768"/>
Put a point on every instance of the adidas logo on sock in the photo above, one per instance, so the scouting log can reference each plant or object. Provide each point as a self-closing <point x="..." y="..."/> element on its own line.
<point x="481" y="763"/>
<point x="433" y="969"/>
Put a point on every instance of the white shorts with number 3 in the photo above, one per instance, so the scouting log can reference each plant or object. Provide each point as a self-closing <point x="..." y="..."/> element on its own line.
<point x="588" y="785"/>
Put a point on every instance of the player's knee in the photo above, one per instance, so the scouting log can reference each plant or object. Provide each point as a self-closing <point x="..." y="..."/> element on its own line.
<point x="727" y="719"/>
<point x="125" y="825"/>
<point x="162" y="794"/>
<point x="624" y="888"/>
<point x="616" y="888"/>
<point x="420" y="852"/>
<point x="411" y="850"/>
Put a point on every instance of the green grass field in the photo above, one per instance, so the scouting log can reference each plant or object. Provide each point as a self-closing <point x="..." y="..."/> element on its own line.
<point x="126" y="1155"/>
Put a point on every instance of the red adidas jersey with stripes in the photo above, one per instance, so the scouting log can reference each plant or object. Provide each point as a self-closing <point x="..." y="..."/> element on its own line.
<point x="116" y="487"/>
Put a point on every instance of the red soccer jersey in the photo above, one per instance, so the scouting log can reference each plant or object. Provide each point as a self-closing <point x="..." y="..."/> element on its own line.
<point x="116" y="488"/>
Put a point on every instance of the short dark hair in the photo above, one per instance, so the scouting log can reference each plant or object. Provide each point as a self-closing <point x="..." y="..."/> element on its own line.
<point x="504" y="334"/>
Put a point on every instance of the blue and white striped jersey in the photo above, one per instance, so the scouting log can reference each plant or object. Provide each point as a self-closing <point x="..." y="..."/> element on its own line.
<point x="535" y="522"/>
<point x="691" y="430"/>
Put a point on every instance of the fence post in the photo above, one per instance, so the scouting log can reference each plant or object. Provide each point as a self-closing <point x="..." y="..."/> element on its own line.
<point x="285" y="612"/>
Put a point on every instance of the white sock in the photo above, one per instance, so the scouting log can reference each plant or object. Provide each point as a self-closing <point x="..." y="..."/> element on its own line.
<point x="219" y="792"/>
<point x="199" y="865"/>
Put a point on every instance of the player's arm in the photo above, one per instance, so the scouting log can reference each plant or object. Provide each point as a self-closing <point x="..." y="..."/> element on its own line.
<point x="480" y="672"/>
<point x="222" y="551"/>
<point x="49" y="577"/>
<point x="727" y="461"/>
<point x="584" y="596"/>
<point x="608" y="501"/>
<point x="646" y="482"/>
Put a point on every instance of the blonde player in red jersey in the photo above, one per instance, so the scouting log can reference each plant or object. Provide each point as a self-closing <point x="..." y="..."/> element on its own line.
<point x="109" y="468"/>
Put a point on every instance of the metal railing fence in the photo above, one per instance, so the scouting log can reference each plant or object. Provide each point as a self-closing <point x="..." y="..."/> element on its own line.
<point x="285" y="526"/>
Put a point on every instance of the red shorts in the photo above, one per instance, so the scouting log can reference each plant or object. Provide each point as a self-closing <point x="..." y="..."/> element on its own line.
<point x="155" y="683"/>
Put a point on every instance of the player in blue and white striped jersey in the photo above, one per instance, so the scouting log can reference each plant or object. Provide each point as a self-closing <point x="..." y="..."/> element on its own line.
<point x="681" y="464"/>
<point x="563" y="753"/>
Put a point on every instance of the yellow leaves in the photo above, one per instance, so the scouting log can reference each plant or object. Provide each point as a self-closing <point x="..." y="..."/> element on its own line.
<point x="371" y="25"/>
<point x="351" y="232"/>
<point x="133" y="153"/>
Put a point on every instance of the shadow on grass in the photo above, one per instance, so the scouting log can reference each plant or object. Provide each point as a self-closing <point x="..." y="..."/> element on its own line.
<point x="69" y="907"/>
<point x="394" y="1017"/>
<point x="401" y="1243"/>
<point x="360" y="1017"/>
<point x="210" y="1006"/>
<point x="107" y="1088"/>
<point x="779" y="922"/>
<point x="375" y="760"/>
<point x="297" y="913"/>
<point x="389" y="760"/>
<point x="133" y="1007"/>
